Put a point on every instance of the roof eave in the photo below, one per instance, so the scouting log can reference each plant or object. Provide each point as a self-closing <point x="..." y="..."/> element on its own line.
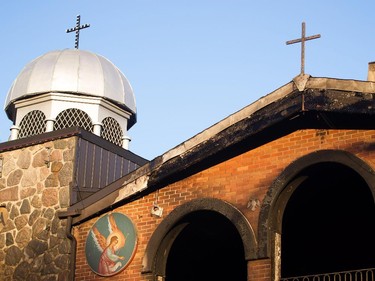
<point x="281" y="112"/>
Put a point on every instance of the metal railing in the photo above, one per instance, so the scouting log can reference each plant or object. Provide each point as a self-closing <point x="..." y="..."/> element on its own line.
<point x="354" y="275"/>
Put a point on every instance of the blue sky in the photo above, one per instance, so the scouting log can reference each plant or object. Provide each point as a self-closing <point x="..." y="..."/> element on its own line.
<point x="192" y="63"/>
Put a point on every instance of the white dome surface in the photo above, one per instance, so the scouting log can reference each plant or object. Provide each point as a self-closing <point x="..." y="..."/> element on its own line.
<point x="72" y="71"/>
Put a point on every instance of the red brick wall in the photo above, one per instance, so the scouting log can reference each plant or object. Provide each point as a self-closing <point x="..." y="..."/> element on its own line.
<point x="236" y="181"/>
<point x="259" y="270"/>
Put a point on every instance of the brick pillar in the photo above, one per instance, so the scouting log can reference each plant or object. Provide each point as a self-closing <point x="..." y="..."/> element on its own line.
<point x="259" y="270"/>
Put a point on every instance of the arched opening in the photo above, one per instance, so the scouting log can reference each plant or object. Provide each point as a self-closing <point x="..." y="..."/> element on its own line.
<point x="111" y="131"/>
<point x="328" y="224"/>
<point x="198" y="214"/>
<point x="73" y="117"/>
<point x="208" y="247"/>
<point x="33" y="123"/>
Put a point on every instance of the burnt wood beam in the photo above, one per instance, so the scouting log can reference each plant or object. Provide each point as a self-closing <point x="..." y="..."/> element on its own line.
<point x="310" y="109"/>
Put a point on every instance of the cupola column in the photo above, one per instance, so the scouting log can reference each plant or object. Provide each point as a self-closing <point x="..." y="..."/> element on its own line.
<point x="97" y="128"/>
<point x="125" y="142"/>
<point x="49" y="124"/>
<point x="14" y="130"/>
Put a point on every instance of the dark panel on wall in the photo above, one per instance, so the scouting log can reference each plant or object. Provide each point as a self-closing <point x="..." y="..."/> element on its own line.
<point x="97" y="167"/>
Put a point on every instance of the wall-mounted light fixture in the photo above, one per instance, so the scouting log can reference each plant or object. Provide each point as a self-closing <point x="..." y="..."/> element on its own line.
<point x="156" y="210"/>
<point x="253" y="204"/>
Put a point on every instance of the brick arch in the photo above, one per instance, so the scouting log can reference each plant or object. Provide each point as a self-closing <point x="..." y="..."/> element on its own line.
<point x="270" y="217"/>
<point x="164" y="235"/>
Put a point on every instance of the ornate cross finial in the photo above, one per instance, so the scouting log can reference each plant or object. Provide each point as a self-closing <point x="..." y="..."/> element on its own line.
<point x="302" y="41"/>
<point x="77" y="28"/>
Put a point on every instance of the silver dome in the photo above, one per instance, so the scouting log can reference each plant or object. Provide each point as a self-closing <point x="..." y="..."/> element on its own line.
<point x="72" y="71"/>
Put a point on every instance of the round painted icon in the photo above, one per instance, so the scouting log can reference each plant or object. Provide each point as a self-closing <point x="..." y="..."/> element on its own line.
<point x="111" y="244"/>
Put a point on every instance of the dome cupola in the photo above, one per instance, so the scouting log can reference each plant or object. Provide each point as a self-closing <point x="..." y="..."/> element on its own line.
<point x="68" y="88"/>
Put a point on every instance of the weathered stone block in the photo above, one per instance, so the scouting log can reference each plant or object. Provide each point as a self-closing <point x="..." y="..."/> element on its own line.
<point x="64" y="198"/>
<point x="36" y="201"/>
<point x="66" y="174"/>
<point x="55" y="225"/>
<point x="9" y="194"/>
<point x="13" y="212"/>
<point x="23" y="237"/>
<point x="43" y="235"/>
<point x="29" y="253"/>
<point x="29" y="178"/>
<point x="8" y="271"/>
<point x="52" y="180"/>
<point x="37" y="263"/>
<point x="20" y="221"/>
<point x="39" y="225"/>
<point x="9" y="166"/>
<point x="9" y="225"/>
<point x="34" y="216"/>
<point x="64" y="247"/>
<point x="2" y="240"/>
<point x="40" y="187"/>
<point x="25" y="207"/>
<point x="15" y="154"/>
<point x="56" y="155"/>
<point x="27" y="192"/>
<point x="49" y="213"/>
<point x="24" y="159"/>
<point x="49" y="278"/>
<point x="68" y="155"/>
<point x="22" y="271"/>
<point x="50" y="197"/>
<point x="61" y="233"/>
<point x="49" y="269"/>
<point x="53" y="241"/>
<point x="72" y="142"/>
<point x="47" y="258"/>
<point x="37" y="246"/>
<point x="62" y="261"/>
<point x="2" y="183"/>
<point x="9" y="239"/>
<point x="2" y="259"/>
<point x="63" y="276"/>
<point x="14" y="177"/>
<point x="40" y="158"/>
<point x="56" y="166"/>
<point x="33" y="277"/>
<point x="60" y="144"/>
<point x="13" y="256"/>
<point x="44" y="172"/>
<point x="54" y="252"/>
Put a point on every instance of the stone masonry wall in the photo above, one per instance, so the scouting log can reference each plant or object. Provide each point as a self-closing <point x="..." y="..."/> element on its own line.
<point x="34" y="185"/>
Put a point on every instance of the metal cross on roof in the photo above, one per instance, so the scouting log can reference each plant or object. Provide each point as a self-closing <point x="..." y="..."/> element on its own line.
<point x="302" y="41"/>
<point x="77" y="28"/>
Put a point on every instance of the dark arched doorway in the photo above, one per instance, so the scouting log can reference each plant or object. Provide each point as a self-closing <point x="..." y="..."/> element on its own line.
<point x="209" y="247"/>
<point x="328" y="223"/>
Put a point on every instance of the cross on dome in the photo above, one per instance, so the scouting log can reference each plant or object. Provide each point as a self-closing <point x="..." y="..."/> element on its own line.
<point x="77" y="28"/>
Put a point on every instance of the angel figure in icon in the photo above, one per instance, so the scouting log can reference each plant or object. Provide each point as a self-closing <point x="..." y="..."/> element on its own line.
<point x="110" y="261"/>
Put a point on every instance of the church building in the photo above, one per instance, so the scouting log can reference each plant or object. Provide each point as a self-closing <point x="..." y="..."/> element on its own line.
<point x="282" y="189"/>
